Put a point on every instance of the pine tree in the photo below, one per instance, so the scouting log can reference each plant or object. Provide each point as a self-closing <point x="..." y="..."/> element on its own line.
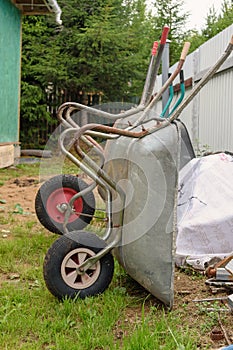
<point x="103" y="46"/>
<point x="213" y="24"/>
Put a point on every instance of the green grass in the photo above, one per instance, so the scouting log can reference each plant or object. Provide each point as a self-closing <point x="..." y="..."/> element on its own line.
<point x="31" y="318"/>
<point x="45" y="167"/>
<point x="123" y="317"/>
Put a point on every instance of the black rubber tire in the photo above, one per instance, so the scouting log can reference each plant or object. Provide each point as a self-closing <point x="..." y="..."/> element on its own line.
<point x="57" y="254"/>
<point x="73" y="183"/>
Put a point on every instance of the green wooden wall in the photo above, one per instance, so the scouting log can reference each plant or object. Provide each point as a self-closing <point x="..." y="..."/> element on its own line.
<point x="10" y="57"/>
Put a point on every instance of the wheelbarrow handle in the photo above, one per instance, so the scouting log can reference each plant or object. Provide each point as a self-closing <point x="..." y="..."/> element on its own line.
<point x="156" y="56"/>
<point x="171" y="95"/>
<point x="181" y="77"/>
<point x="182" y="90"/>
<point x="164" y="35"/>
<point x="165" y="86"/>
<point x="154" y="48"/>
<point x="185" y="51"/>
<point x="64" y="117"/>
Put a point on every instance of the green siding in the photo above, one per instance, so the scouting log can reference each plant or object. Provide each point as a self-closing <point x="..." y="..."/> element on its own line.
<point x="10" y="56"/>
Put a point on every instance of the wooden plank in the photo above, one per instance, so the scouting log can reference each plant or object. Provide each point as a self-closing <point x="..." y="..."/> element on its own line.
<point x="9" y="143"/>
<point x="6" y="156"/>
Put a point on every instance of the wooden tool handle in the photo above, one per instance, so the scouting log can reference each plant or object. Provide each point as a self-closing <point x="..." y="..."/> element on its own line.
<point x="185" y="50"/>
<point x="231" y="42"/>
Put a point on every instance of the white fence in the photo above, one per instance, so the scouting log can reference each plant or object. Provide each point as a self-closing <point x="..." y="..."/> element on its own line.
<point x="209" y="117"/>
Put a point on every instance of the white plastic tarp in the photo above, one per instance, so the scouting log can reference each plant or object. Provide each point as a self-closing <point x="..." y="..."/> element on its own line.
<point x="205" y="210"/>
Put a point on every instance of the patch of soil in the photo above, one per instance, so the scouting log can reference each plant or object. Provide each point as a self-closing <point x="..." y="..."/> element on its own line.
<point x="21" y="191"/>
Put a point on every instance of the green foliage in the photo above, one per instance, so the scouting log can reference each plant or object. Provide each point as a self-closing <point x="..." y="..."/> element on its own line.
<point x="214" y="24"/>
<point x="98" y="49"/>
<point x="103" y="46"/>
<point x="33" y="112"/>
<point x="33" y="104"/>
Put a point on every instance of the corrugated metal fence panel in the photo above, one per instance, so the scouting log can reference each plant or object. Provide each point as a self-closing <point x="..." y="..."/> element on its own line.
<point x="213" y="48"/>
<point x="215" y="115"/>
<point x="215" y="100"/>
<point x="209" y="117"/>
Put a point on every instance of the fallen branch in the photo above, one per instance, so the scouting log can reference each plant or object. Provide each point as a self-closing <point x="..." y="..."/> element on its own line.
<point x="224" y="331"/>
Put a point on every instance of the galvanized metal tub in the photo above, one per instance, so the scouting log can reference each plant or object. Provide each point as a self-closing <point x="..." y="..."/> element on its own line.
<point x="147" y="170"/>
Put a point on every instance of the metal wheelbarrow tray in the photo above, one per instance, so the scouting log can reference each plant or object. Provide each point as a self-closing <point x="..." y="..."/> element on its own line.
<point x="138" y="177"/>
<point x="147" y="170"/>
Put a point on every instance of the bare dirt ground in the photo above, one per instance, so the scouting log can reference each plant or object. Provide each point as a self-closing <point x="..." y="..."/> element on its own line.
<point x="19" y="194"/>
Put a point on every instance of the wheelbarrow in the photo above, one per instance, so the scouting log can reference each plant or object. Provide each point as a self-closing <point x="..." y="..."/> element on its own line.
<point x="137" y="176"/>
<point x="52" y="200"/>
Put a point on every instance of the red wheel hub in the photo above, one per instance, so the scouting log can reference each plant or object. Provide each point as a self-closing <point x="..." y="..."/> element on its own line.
<point x="62" y="196"/>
